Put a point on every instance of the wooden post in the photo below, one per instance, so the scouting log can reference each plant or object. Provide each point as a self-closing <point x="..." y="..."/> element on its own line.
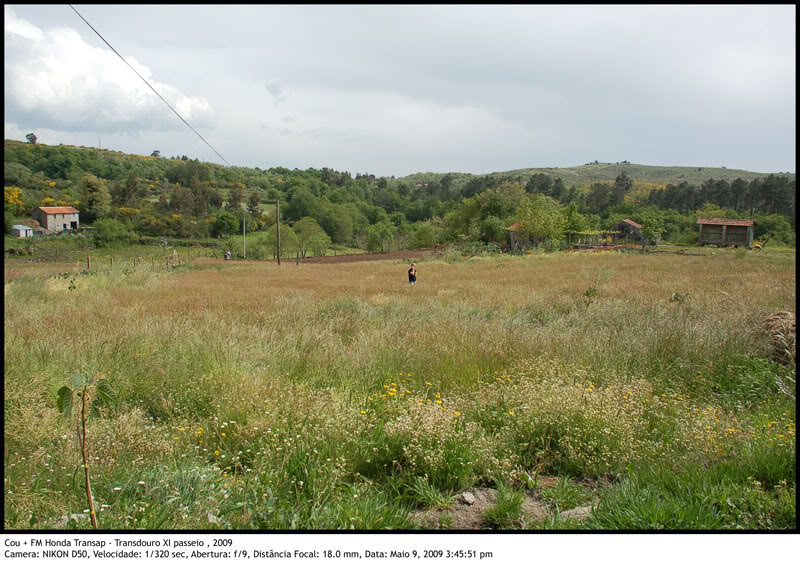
<point x="112" y="263"/>
<point x="89" y="262"/>
<point x="298" y="258"/>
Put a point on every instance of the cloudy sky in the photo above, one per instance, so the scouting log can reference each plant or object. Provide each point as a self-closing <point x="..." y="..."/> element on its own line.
<point x="394" y="90"/>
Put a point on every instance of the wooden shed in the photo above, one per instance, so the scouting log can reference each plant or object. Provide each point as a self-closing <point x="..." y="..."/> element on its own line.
<point x="726" y="232"/>
<point x="57" y="219"/>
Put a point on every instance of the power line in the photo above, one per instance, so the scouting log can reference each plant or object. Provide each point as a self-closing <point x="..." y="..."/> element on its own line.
<point x="148" y="84"/>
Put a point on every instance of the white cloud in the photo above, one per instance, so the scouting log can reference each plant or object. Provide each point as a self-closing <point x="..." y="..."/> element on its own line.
<point x="54" y="79"/>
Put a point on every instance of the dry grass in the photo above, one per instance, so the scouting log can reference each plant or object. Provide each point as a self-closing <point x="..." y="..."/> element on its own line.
<point x="241" y="378"/>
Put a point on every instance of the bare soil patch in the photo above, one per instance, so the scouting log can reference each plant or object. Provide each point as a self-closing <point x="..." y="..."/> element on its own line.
<point x="471" y="515"/>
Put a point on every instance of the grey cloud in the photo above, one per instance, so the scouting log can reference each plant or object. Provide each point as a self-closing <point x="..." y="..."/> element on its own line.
<point x="276" y="90"/>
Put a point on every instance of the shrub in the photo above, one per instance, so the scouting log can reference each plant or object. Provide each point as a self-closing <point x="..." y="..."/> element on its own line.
<point x="226" y="224"/>
<point x="111" y="232"/>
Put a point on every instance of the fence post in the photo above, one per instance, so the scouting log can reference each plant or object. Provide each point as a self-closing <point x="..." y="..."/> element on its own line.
<point x="298" y="258"/>
<point x="112" y="263"/>
<point x="89" y="262"/>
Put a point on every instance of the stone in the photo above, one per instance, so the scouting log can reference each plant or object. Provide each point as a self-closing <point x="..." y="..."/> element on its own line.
<point x="467" y="498"/>
<point x="578" y="513"/>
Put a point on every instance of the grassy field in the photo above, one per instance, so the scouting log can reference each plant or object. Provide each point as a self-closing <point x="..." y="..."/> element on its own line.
<point x="253" y="396"/>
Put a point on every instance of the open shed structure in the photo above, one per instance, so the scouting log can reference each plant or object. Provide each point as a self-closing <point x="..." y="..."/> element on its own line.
<point x="726" y="232"/>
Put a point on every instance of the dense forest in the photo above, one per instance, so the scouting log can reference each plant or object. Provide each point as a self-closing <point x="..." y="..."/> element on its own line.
<point x="129" y="196"/>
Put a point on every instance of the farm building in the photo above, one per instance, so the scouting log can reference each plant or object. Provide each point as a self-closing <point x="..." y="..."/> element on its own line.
<point x="630" y="230"/>
<point x="512" y="238"/>
<point x="726" y="232"/>
<point x="57" y="219"/>
<point x="21" y="231"/>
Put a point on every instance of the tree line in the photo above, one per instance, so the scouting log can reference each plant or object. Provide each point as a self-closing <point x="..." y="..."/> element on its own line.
<point x="185" y="198"/>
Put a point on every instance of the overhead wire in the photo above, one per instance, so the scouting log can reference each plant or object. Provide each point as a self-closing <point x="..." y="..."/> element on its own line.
<point x="148" y="85"/>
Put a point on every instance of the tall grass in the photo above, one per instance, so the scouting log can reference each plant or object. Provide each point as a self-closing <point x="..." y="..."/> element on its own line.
<point x="322" y="396"/>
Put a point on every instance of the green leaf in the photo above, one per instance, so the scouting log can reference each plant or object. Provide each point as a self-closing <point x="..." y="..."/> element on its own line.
<point x="64" y="401"/>
<point x="106" y="396"/>
<point x="105" y="392"/>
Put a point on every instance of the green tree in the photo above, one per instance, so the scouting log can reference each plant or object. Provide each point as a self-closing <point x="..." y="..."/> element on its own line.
<point x="95" y="198"/>
<point x="423" y="236"/>
<point x="289" y="243"/>
<point x="31" y="138"/>
<point x="652" y="227"/>
<point x="386" y="232"/>
<point x="302" y="204"/>
<point x="310" y="235"/>
<point x="573" y="220"/>
<point x="336" y="223"/>
<point x="253" y="204"/>
<point x="493" y="230"/>
<point x="236" y="197"/>
<point x="373" y="238"/>
<point x="541" y="218"/>
<point x="226" y="224"/>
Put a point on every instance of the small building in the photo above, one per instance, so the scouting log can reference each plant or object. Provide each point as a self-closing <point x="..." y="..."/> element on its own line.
<point x="57" y="219"/>
<point x="726" y="232"/>
<point x="631" y="230"/>
<point x="513" y="240"/>
<point x="21" y="231"/>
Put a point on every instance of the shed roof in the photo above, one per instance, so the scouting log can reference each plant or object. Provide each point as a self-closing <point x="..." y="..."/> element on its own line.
<point x="727" y="222"/>
<point x="21" y="227"/>
<point x="514" y="226"/>
<point x="630" y="222"/>
<point x="58" y="210"/>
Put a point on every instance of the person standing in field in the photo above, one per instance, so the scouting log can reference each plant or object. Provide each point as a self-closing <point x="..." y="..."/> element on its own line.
<point x="412" y="274"/>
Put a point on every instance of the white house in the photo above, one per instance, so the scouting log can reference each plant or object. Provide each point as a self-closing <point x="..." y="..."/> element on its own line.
<point x="21" y="231"/>
<point x="57" y="219"/>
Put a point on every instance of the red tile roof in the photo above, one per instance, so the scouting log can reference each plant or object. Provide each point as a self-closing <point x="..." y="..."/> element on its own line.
<point x="58" y="210"/>
<point x="630" y="222"/>
<point x="728" y="222"/>
<point x="514" y="226"/>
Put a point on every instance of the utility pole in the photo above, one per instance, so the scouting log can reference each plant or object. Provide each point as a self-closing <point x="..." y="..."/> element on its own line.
<point x="278" y="226"/>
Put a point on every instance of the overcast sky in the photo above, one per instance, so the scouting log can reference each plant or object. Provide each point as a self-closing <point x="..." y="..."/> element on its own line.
<point x="394" y="90"/>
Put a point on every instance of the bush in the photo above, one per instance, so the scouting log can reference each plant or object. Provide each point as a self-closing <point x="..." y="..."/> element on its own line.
<point x="111" y="232"/>
<point x="226" y="224"/>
